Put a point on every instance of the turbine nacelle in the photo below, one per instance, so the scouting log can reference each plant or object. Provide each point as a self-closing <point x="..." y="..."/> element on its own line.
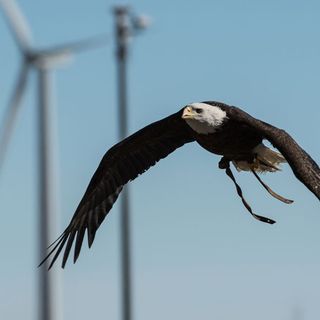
<point x="41" y="60"/>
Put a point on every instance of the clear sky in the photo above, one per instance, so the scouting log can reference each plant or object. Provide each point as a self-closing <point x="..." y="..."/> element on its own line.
<point x="197" y="253"/>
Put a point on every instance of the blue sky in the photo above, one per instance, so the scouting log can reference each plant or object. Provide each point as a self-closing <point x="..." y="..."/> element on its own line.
<point x="197" y="252"/>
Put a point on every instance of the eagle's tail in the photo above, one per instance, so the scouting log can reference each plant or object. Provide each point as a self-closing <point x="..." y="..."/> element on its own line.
<point x="266" y="160"/>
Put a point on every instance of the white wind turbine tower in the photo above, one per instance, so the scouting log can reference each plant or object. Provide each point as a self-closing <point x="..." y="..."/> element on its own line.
<point x="42" y="61"/>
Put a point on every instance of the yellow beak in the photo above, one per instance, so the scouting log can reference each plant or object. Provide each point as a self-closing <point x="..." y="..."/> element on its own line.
<point x="187" y="113"/>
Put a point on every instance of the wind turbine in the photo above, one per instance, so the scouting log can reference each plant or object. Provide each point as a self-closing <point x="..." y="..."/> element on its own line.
<point x="127" y="24"/>
<point x="43" y="61"/>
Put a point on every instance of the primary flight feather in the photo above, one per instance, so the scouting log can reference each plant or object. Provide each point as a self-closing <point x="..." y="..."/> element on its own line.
<point x="219" y="128"/>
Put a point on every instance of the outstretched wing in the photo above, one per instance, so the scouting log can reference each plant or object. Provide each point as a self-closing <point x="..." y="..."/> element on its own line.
<point x="121" y="164"/>
<point x="302" y="165"/>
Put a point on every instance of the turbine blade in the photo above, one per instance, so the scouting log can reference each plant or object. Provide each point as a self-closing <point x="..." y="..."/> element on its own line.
<point x="17" y="23"/>
<point x="77" y="46"/>
<point x="10" y="115"/>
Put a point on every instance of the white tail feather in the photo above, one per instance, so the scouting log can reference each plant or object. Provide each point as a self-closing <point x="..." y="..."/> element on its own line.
<point x="267" y="160"/>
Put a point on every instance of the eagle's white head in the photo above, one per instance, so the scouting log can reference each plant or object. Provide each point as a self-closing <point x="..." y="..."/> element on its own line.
<point x="203" y="118"/>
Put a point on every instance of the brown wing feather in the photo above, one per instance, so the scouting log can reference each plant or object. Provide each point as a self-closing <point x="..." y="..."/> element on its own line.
<point x="121" y="164"/>
<point x="302" y="165"/>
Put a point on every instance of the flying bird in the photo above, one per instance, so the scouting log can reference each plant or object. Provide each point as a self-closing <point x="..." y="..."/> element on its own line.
<point x="219" y="128"/>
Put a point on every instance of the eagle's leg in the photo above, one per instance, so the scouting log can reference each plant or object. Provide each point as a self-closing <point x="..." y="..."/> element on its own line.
<point x="225" y="164"/>
<point x="274" y="194"/>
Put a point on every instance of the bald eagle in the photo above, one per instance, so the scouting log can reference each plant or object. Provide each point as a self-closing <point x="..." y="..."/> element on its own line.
<point x="219" y="128"/>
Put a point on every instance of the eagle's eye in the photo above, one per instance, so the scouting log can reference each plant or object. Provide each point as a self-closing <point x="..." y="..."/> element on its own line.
<point x="198" y="110"/>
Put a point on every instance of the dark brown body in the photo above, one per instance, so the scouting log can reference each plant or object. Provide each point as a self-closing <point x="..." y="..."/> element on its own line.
<point x="233" y="140"/>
